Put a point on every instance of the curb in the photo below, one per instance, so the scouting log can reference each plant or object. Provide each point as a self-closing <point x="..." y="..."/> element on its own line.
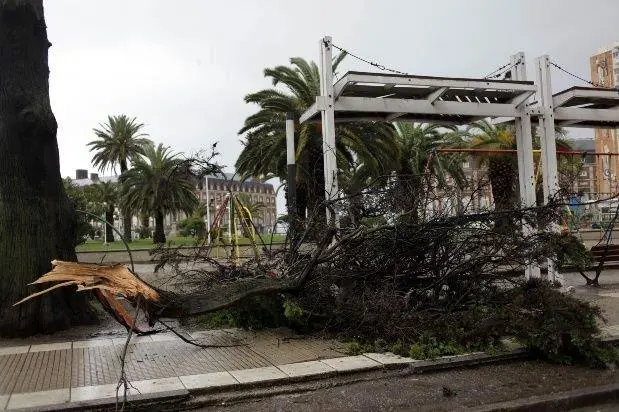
<point x="133" y="401"/>
<point x="236" y="385"/>
<point x="561" y="401"/>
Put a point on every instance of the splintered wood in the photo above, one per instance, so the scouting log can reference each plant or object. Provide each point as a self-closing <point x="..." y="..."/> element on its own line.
<point x="110" y="280"/>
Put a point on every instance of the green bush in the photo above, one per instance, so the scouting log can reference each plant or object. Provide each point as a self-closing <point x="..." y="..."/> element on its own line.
<point x="192" y="226"/>
<point x="556" y="327"/>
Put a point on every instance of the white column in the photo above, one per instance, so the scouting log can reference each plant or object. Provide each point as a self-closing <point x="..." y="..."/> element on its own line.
<point x="328" y="125"/>
<point x="208" y="213"/>
<point x="524" y="145"/>
<point x="548" y="143"/>
<point x="291" y="171"/>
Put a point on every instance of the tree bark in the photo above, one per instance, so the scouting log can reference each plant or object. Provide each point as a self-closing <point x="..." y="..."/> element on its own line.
<point x="144" y="222"/>
<point x="36" y="220"/>
<point x="109" y="231"/>
<point x="127" y="222"/>
<point x="159" y="236"/>
<point x="127" y="217"/>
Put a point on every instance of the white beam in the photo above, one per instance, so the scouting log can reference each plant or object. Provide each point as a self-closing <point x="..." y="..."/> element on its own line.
<point x="309" y="113"/>
<point x="436" y="94"/>
<point x="369" y="104"/>
<point x="583" y="114"/>
<point x="522" y="98"/>
<point x="338" y="88"/>
<point x="567" y="123"/>
<point x="437" y="82"/>
<point x="561" y="98"/>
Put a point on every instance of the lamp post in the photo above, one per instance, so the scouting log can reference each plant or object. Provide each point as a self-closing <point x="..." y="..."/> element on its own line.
<point x="208" y="213"/>
<point x="104" y="224"/>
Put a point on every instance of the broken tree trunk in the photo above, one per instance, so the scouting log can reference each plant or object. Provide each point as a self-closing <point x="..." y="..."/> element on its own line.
<point x="111" y="281"/>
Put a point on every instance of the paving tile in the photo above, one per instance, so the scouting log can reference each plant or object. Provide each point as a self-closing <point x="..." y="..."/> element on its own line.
<point x="191" y="360"/>
<point x="388" y="358"/>
<point x="45" y="347"/>
<point x="134" y="339"/>
<point x="148" y="360"/>
<point x="351" y="363"/>
<point x="208" y="380"/>
<point x="164" y="337"/>
<point x="301" y="369"/>
<point x="12" y="350"/>
<point x="610" y="330"/>
<point x="280" y="349"/>
<point x="89" y="393"/>
<point x="91" y="366"/>
<point x="44" y="371"/>
<point x="158" y="385"/>
<point x="266" y="374"/>
<point x="10" y="368"/>
<point x="4" y="399"/>
<point x="237" y="357"/>
<point x="38" y="399"/>
<point x="92" y="343"/>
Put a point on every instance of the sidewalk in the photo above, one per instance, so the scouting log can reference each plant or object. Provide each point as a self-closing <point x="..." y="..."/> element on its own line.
<point x="76" y="374"/>
<point x="33" y="376"/>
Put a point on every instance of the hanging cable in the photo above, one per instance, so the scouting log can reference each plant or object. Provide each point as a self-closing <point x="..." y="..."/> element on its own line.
<point x="502" y="70"/>
<point x="493" y="72"/>
<point x="371" y="63"/>
<point x="576" y="76"/>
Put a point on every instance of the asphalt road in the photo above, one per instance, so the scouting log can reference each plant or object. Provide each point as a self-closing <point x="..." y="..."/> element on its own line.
<point x="443" y="391"/>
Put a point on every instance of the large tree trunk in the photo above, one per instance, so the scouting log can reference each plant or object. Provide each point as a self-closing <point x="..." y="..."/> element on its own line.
<point x="159" y="236"/>
<point x="109" y="231"/>
<point x="503" y="175"/>
<point x="144" y="222"/>
<point x="37" y="223"/>
<point x="127" y="221"/>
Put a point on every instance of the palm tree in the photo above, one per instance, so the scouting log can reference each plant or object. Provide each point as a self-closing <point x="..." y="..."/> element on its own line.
<point x="106" y="195"/>
<point x="420" y="166"/>
<point x="159" y="183"/>
<point x="264" y="152"/>
<point x="119" y="141"/>
<point x="503" y="168"/>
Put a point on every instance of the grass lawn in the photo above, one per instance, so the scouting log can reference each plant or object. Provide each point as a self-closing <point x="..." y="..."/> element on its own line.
<point x="97" y="245"/>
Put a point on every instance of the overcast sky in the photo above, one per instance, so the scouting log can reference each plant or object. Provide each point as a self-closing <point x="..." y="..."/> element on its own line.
<point x="183" y="67"/>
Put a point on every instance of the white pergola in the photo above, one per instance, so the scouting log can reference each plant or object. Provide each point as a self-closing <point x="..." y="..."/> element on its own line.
<point x="360" y="96"/>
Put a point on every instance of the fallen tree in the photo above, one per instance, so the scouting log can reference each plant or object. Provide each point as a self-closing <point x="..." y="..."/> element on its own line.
<point x="439" y="280"/>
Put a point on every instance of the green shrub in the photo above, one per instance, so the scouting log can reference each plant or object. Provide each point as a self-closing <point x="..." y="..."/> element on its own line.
<point x="292" y="311"/>
<point x="556" y="327"/>
<point x="417" y="351"/>
<point x="398" y="348"/>
<point x="354" y="348"/>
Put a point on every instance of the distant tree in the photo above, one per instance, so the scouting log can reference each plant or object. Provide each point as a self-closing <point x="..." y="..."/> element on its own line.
<point x="159" y="183"/>
<point x="106" y="194"/>
<point x="80" y="201"/>
<point x="419" y="161"/>
<point x="118" y="143"/>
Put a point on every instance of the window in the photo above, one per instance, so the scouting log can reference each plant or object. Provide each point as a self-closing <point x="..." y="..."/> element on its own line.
<point x="583" y="173"/>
